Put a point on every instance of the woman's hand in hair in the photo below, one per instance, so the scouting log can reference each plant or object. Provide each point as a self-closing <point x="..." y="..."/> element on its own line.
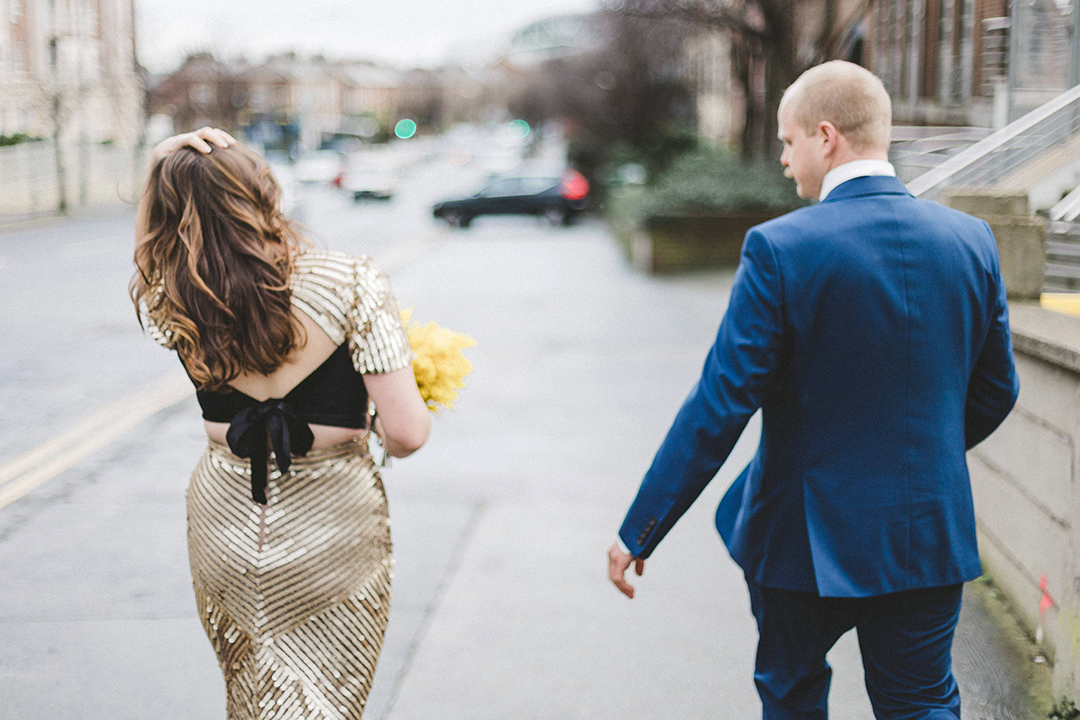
<point x="199" y="139"/>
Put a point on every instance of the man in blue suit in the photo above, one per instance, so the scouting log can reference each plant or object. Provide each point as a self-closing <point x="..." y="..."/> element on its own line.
<point x="872" y="331"/>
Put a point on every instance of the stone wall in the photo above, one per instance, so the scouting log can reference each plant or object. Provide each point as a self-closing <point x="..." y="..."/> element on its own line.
<point x="95" y="174"/>
<point x="1026" y="476"/>
<point x="1021" y="236"/>
<point x="677" y="243"/>
<point x="1026" y="483"/>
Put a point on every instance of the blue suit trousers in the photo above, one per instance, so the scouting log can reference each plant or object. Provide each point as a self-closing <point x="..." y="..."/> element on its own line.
<point x="905" y="639"/>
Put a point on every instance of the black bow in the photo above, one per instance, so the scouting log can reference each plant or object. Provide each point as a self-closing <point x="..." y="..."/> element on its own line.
<point x="247" y="438"/>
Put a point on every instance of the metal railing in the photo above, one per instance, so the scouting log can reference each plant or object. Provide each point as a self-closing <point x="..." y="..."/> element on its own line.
<point x="1062" y="257"/>
<point x="1068" y="209"/>
<point x="916" y="149"/>
<point x="990" y="160"/>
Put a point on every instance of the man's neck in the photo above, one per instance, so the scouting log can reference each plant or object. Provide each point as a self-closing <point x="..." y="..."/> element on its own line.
<point x="844" y="154"/>
<point x="856" y="167"/>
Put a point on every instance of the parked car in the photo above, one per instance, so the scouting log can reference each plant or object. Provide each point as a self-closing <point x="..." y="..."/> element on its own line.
<point x="556" y="198"/>
<point x="371" y="175"/>
<point x="286" y="180"/>
<point x="320" y="166"/>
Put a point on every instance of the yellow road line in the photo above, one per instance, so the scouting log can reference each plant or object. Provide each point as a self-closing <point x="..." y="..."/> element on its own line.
<point x="36" y="467"/>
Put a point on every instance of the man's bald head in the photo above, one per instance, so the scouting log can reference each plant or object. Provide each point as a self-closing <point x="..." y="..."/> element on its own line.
<point x="847" y="95"/>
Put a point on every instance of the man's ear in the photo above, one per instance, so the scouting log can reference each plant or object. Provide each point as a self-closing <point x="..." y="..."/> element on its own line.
<point x="830" y="135"/>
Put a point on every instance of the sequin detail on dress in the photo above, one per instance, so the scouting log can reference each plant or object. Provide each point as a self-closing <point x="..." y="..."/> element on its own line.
<point x="294" y="595"/>
<point x="350" y="299"/>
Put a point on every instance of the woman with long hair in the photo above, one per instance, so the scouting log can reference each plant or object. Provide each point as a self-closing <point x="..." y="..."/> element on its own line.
<point x="288" y="531"/>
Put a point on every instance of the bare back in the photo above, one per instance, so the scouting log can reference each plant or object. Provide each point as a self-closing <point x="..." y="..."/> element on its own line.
<point x="301" y="362"/>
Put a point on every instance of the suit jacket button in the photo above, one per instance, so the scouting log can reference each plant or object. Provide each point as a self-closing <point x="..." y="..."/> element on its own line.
<point x="645" y="531"/>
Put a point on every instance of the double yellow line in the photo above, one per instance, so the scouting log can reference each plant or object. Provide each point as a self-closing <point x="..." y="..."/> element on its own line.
<point x="52" y="457"/>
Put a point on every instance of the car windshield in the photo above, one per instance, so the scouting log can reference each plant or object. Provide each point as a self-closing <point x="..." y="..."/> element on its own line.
<point x="518" y="186"/>
<point x="500" y="188"/>
<point x="535" y="185"/>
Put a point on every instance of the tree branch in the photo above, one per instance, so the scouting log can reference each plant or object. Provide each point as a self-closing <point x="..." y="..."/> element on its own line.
<point x="832" y="40"/>
<point x="711" y="13"/>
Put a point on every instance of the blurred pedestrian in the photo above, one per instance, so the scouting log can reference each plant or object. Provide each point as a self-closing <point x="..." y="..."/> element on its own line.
<point x="872" y="331"/>
<point x="285" y="345"/>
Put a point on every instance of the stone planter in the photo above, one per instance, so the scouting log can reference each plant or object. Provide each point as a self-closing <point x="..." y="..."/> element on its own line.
<point x="1021" y="236"/>
<point x="676" y="243"/>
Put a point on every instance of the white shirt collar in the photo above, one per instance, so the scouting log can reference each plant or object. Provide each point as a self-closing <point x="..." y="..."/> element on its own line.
<point x="851" y="170"/>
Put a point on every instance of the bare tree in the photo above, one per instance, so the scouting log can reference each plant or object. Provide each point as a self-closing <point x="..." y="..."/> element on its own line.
<point x="629" y="94"/>
<point x="764" y="44"/>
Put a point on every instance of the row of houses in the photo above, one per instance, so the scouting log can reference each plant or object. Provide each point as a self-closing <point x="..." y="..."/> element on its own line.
<point x="68" y="68"/>
<point x="296" y="103"/>
<point x="69" y="73"/>
<point x="284" y="100"/>
<point x="290" y="102"/>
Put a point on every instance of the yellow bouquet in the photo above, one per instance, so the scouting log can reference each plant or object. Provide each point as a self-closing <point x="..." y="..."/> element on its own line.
<point x="441" y="366"/>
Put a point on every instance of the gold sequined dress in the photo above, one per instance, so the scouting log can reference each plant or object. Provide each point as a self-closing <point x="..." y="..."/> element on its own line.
<point x="294" y="594"/>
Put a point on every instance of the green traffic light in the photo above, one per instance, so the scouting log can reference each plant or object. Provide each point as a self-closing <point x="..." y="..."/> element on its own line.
<point x="405" y="129"/>
<point x="518" y="129"/>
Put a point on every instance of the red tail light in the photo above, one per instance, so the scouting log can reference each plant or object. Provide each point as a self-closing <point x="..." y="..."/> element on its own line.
<point x="574" y="185"/>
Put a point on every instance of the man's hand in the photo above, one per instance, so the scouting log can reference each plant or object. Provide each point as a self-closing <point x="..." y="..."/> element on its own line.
<point x="618" y="562"/>
<point x="199" y="139"/>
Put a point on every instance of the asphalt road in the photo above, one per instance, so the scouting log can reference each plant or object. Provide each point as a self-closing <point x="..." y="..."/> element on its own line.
<point x="501" y="605"/>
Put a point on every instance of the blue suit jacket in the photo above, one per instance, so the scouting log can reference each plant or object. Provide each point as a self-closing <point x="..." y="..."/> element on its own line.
<point x="872" y="330"/>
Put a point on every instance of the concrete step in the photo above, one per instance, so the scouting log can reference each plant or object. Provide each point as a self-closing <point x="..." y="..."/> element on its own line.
<point x="1052" y="285"/>
<point x="1062" y="271"/>
<point x="1062" y="257"/>
<point x="1055" y="248"/>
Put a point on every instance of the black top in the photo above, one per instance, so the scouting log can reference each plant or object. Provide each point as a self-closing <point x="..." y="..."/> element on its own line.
<point x="333" y="394"/>
<point x="350" y="300"/>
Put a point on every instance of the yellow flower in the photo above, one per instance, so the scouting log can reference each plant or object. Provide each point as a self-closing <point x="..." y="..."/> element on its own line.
<point x="441" y="366"/>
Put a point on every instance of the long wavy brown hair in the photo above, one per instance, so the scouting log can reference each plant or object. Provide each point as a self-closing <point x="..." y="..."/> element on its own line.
<point x="213" y="256"/>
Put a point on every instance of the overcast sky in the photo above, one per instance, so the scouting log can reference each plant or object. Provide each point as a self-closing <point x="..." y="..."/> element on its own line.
<point x="405" y="33"/>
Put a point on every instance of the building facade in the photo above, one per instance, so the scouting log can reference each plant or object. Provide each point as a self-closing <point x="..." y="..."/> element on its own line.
<point x="973" y="62"/>
<point x="69" y="79"/>
<point x="68" y="68"/>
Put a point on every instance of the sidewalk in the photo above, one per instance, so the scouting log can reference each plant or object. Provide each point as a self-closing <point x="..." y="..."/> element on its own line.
<point x="580" y="367"/>
<point x="502" y="609"/>
<point x="94" y="211"/>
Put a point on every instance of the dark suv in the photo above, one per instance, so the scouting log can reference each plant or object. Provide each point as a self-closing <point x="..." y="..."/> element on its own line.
<point x="556" y="198"/>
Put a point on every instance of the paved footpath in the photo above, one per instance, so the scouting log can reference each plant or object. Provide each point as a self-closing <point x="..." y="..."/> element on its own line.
<point x="581" y="366"/>
<point x="502" y="609"/>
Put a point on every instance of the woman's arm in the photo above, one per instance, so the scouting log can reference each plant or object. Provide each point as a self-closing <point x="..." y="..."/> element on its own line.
<point x="403" y="421"/>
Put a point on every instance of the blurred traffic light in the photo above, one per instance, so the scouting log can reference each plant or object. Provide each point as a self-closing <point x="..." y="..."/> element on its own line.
<point x="405" y="129"/>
